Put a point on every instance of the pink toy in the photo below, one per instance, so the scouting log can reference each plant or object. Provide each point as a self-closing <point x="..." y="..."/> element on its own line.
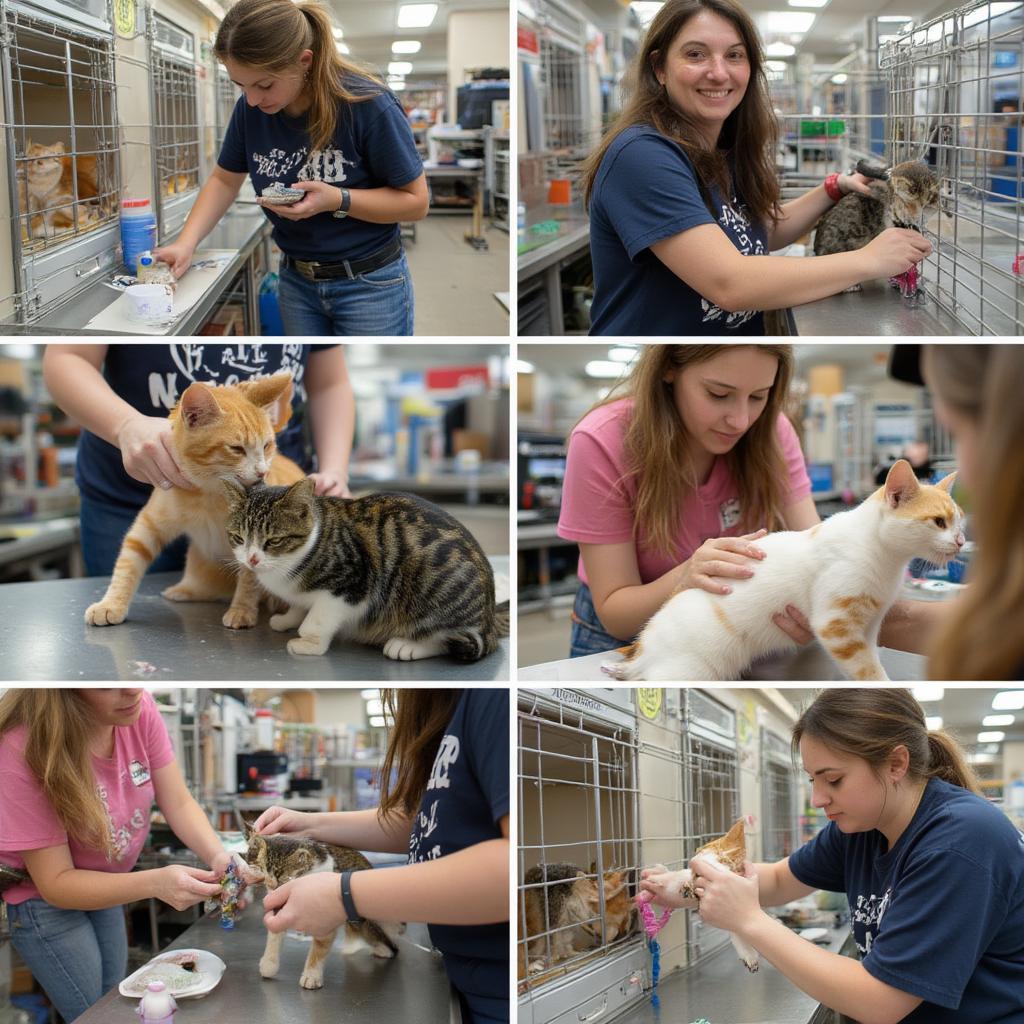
<point x="157" y="1005"/>
<point x="652" y="923"/>
<point x="1018" y="265"/>
<point x="907" y="282"/>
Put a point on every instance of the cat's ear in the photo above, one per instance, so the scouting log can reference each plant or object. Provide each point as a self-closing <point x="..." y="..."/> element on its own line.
<point x="946" y="483"/>
<point x="900" y="484"/>
<point x="303" y="491"/>
<point x="198" y="407"/>
<point x="235" y="493"/>
<point x="273" y="395"/>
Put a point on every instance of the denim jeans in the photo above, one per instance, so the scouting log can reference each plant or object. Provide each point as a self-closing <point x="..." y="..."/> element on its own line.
<point x="76" y="955"/>
<point x="379" y="302"/>
<point x="588" y="635"/>
<point x="102" y="528"/>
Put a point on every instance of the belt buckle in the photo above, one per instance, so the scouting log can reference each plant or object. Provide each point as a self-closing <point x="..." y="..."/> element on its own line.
<point x="307" y="268"/>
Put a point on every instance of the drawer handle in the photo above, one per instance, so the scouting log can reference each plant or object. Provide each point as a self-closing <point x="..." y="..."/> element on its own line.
<point x="599" y="1012"/>
<point x="79" y="272"/>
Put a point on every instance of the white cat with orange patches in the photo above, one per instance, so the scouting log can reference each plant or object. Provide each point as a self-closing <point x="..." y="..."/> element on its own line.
<point x="843" y="574"/>
<point x="220" y="433"/>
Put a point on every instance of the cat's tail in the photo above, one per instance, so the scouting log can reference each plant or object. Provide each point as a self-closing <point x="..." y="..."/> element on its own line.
<point x="501" y="618"/>
<point x="381" y="943"/>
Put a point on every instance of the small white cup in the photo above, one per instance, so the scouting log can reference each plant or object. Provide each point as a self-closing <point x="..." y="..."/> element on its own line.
<point x="149" y="303"/>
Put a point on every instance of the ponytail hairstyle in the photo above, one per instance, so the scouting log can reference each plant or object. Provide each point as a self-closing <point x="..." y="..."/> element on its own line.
<point x="270" y="35"/>
<point x="870" y="724"/>
<point x="58" y="727"/>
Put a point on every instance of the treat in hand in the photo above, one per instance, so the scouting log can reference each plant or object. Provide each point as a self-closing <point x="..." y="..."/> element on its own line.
<point x="232" y="886"/>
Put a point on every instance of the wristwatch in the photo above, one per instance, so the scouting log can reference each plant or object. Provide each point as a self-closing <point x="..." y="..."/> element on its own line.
<point x="346" y="202"/>
<point x="346" y="891"/>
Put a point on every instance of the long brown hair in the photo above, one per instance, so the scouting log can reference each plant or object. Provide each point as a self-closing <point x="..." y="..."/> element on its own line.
<point x="984" y="383"/>
<point x="58" y="728"/>
<point x="747" y="140"/>
<point x="658" y="448"/>
<point x="270" y="35"/>
<point x="420" y="717"/>
<point x="872" y="723"/>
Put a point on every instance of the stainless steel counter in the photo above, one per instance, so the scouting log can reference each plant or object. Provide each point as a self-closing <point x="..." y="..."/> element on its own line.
<point x="243" y="228"/>
<point x="43" y="636"/>
<point x="412" y="987"/>
<point x="810" y="663"/>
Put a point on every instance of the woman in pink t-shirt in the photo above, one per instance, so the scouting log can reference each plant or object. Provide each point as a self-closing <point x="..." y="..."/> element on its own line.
<point x="669" y="483"/>
<point x="79" y="772"/>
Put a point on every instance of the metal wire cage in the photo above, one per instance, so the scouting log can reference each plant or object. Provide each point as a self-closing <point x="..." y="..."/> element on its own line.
<point x="956" y="85"/>
<point x="779" y="811"/>
<point x="577" y="794"/>
<point x="226" y="96"/>
<point x="176" y="132"/>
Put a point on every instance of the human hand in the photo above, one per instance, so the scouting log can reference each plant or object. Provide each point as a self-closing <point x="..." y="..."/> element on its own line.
<point x="854" y="183"/>
<point x="666" y="887"/>
<point x="331" y="485"/>
<point x="896" y="250"/>
<point x="178" y="255"/>
<point x="310" y="904"/>
<point x="727" y="900"/>
<point x="321" y="197"/>
<point x="794" y="624"/>
<point x="277" y="819"/>
<point x="147" y="451"/>
<point x="181" y="887"/>
<point x="718" y="557"/>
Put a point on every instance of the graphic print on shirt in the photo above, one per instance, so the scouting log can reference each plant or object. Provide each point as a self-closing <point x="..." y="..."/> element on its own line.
<point x="427" y="822"/>
<point x="197" y="362"/>
<point x="735" y="222"/>
<point x="869" y="912"/>
<point x="139" y="773"/>
<point x="729" y="513"/>
<point x="320" y="165"/>
<point x="122" y="836"/>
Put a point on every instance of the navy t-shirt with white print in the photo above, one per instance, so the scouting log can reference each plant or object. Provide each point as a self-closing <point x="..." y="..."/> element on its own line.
<point x="466" y="797"/>
<point x="152" y="378"/>
<point x="646" y="191"/>
<point x="941" y="914"/>
<point x="373" y="147"/>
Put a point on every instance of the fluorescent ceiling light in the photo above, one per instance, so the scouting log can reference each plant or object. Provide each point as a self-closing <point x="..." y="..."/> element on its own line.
<point x="784" y="22"/>
<point x="416" y="15"/>
<point x="933" y="722"/>
<point x="338" y="31"/>
<point x="807" y="3"/>
<point x="645" y="10"/>
<point x="780" y="50"/>
<point x="622" y="354"/>
<point x="990" y="721"/>
<point x="406" y="46"/>
<point x="398" y="85"/>
<point x="839" y="79"/>
<point x="343" y="48"/>
<point x="927" y="692"/>
<point x="776" y="65"/>
<point x="369" y="694"/>
<point x="895" y="18"/>
<point x="399" y="67"/>
<point x="1008" y="700"/>
<point x="991" y="737"/>
<point x="522" y="366"/>
<point x="985" y="12"/>
<point x="603" y="368"/>
<point x="527" y="10"/>
<point x="377" y="721"/>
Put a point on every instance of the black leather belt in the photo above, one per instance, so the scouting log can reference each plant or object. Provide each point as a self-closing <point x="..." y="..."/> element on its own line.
<point x="312" y="270"/>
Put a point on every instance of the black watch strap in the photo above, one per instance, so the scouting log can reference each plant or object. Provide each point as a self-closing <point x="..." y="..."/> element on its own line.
<point x="346" y="898"/>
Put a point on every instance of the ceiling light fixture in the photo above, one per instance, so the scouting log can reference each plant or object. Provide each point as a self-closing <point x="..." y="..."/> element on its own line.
<point x="400" y="67"/>
<point x="784" y="22"/>
<point x="779" y="50"/>
<point x="416" y="15"/>
<point x="603" y="368"/>
<point x="991" y="737"/>
<point x="406" y="46"/>
<point x="1008" y="700"/>
<point x="927" y="692"/>
<point x="990" y="721"/>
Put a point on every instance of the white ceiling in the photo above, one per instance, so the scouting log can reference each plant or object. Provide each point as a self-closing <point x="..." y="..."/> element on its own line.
<point x="370" y="27"/>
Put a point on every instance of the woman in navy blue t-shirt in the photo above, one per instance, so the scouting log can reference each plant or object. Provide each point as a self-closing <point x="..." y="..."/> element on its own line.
<point x="933" y="872"/>
<point x="313" y="121"/>
<point x="684" y="195"/>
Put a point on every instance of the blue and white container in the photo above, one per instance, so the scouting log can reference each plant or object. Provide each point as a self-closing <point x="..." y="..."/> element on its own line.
<point x="138" y="231"/>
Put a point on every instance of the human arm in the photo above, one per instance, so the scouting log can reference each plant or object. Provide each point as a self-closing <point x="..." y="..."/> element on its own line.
<point x="384" y="205"/>
<point x="214" y="200"/>
<point x="776" y="885"/>
<point x="332" y="409"/>
<point x="74" y="379"/>
<point x="468" y="887"/>
<point x="186" y="818"/>
<point x="801" y="214"/>
<point x="911" y="625"/>
<point x="362" y="830"/>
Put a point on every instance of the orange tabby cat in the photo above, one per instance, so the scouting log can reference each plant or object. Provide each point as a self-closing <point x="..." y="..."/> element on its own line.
<point x="46" y="192"/>
<point x="220" y="433"/>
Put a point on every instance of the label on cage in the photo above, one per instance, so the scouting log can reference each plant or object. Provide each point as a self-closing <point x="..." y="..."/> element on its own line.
<point x="649" y="701"/>
<point x="571" y="697"/>
<point x="124" y="18"/>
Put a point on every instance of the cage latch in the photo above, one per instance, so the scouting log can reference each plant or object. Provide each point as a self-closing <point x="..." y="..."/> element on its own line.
<point x="84" y="270"/>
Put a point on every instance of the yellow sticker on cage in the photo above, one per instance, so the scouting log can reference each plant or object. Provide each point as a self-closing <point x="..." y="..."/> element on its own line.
<point x="649" y="701"/>
<point x="124" y="18"/>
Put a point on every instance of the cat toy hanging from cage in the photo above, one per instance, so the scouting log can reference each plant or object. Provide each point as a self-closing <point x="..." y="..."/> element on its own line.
<point x="652" y="925"/>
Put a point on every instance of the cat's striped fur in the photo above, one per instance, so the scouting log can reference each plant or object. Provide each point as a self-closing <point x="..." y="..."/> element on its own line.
<point x="391" y="570"/>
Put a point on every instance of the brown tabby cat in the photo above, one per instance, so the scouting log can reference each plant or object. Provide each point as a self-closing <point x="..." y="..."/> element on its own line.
<point x="220" y="433"/>
<point x="274" y="860"/>
<point x="46" y="193"/>
<point x="390" y="570"/>
<point x="573" y="900"/>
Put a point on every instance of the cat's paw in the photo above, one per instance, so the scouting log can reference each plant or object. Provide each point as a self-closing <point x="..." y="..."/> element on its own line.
<point x="269" y="966"/>
<point x="384" y="952"/>
<point x="307" y="645"/>
<point x="105" y="613"/>
<point x="537" y="966"/>
<point x="400" y="649"/>
<point x="240" y="618"/>
<point x="179" y="592"/>
<point x="284" y="621"/>
<point x="312" y="977"/>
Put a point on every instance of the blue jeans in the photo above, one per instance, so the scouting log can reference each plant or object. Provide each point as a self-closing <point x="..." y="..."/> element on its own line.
<point x="588" y="635"/>
<point x="103" y="527"/>
<point x="76" y="955"/>
<point x="379" y="302"/>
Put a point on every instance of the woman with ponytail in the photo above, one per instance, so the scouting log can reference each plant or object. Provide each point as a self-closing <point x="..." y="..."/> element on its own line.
<point x="314" y="121"/>
<point x="933" y="872"/>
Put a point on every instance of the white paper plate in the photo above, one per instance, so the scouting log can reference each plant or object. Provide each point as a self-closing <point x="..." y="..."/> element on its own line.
<point x="211" y="969"/>
<point x="813" y="934"/>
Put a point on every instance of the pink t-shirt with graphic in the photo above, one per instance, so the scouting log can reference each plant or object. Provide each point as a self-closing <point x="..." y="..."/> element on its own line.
<point x="598" y="498"/>
<point x="28" y="822"/>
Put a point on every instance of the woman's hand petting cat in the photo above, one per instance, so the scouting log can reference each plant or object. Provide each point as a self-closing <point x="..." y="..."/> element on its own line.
<point x="321" y="197"/>
<point x="896" y="250"/>
<point x="276" y="819"/>
<point x="794" y="624"/>
<point x="854" y="183"/>
<point x="331" y="485"/>
<point x="147" y="450"/>
<point x="728" y="900"/>
<point x="310" y="904"/>
<point x="717" y="558"/>
<point x="666" y="887"/>
<point x="178" y="255"/>
<point x="182" y="887"/>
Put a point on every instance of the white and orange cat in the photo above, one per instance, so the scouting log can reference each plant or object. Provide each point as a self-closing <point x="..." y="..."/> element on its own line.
<point x="843" y="574"/>
<point x="46" y="192"/>
<point x="220" y="433"/>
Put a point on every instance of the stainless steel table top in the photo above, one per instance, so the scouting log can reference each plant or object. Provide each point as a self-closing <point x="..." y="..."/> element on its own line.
<point x="43" y="636"/>
<point x="412" y="987"/>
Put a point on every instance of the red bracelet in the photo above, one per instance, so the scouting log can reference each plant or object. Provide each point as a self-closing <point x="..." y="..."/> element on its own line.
<point x="832" y="188"/>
